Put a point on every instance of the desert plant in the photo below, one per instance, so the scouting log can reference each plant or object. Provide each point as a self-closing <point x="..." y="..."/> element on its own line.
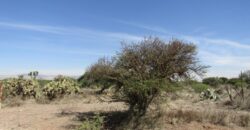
<point x="223" y="80"/>
<point x="102" y="74"/>
<point x="43" y="82"/>
<point x="142" y="71"/>
<point x="245" y="76"/>
<point x="60" y="86"/>
<point x="93" y="124"/>
<point x="237" y="89"/>
<point x="224" y="118"/>
<point x="199" y="87"/>
<point x="151" y="66"/>
<point x="209" y="94"/>
<point x="213" y="81"/>
<point x="21" y="87"/>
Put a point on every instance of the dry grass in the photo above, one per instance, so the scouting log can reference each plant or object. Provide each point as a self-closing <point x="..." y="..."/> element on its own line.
<point x="13" y="102"/>
<point x="243" y="104"/>
<point x="224" y="118"/>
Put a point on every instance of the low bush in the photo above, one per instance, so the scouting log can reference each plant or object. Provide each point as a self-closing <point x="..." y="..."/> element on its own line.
<point x="60" y="86"/>
<point x="242" y="102"/>
<point x="92" y="124"/>
<point x="20" y="87"/>
<point x="43" y="82"/>
<point x="200" y="87"/>
<point x="213" y="81"/>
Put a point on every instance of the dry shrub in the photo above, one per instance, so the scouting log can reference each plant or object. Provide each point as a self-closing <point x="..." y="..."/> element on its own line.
<point x="243" y="120"/>
<point x="224" y="118"/>
<point x="237" y="99"/>
<point x="243" y="103"/>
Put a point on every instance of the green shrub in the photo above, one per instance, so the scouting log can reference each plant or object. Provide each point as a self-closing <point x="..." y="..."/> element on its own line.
<point x="101" y="74"/>
<point x="60" y="86"/>
<point x="43" y="82"/>
<point x="224" y="80"/>
<point x="199" y="87"/>
<point x="212" y="81"/>
<point x="245" y="76"/>
<point x="237" y="82"/>
<point x="20" y="87"/>
<point x="92" y="124"/>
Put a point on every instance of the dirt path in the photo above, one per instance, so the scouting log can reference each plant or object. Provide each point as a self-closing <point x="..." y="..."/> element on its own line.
<point x="49" y="116"/>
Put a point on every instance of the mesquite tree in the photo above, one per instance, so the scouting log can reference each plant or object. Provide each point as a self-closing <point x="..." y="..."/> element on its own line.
<point x="142" y="71"/>
<point x="152" y="65"/>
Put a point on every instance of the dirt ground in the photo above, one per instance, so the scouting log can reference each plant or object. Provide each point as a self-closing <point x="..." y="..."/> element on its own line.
<point x="62" y="115"/>
<point x="48" y="117"/>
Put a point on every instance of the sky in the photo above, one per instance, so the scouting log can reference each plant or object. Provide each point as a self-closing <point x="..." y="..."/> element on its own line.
<point x="67" y="36"/>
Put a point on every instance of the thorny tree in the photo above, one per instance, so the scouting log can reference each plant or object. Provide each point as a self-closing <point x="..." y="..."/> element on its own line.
<point x="142" y="71"/>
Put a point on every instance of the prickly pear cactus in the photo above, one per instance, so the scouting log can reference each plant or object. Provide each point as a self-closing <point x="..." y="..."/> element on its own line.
<point x="209" y="94"/>
<point x="60" y="86"/>
<point x="21" y="87"/>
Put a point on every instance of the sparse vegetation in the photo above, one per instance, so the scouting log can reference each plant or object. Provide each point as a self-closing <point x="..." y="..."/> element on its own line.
<point x="60" y="86"/>
<point x="223" y="118"/>
<point x="92" y="124"/>
<point x="213" y="81"/>
<point x="200" y="87"/>
<point x="141" y="75"/>
<point x="20" y="87"/>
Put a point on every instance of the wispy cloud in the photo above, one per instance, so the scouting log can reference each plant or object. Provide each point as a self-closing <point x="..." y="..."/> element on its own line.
<point x="147" y="27"/>
<point x="32" y="27"/>
<point x="74" y="31"/>
<point x="194" y="39"/>
<point x="217" y="42"/>
<point x="225" y="60"/>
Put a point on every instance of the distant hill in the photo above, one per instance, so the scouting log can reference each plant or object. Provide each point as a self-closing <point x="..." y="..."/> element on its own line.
<point x="48" y="77"/>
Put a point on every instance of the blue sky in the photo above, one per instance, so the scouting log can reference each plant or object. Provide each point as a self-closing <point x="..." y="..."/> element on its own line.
<point x="66" y="36"/>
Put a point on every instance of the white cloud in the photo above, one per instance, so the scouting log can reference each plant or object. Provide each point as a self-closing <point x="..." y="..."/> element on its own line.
<point x="225" y="60"/>
<point x="151" y="28"/>
<point x="223" y="42"/>
<point x="40" y="28"/>
<point x="74" y="31"/>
